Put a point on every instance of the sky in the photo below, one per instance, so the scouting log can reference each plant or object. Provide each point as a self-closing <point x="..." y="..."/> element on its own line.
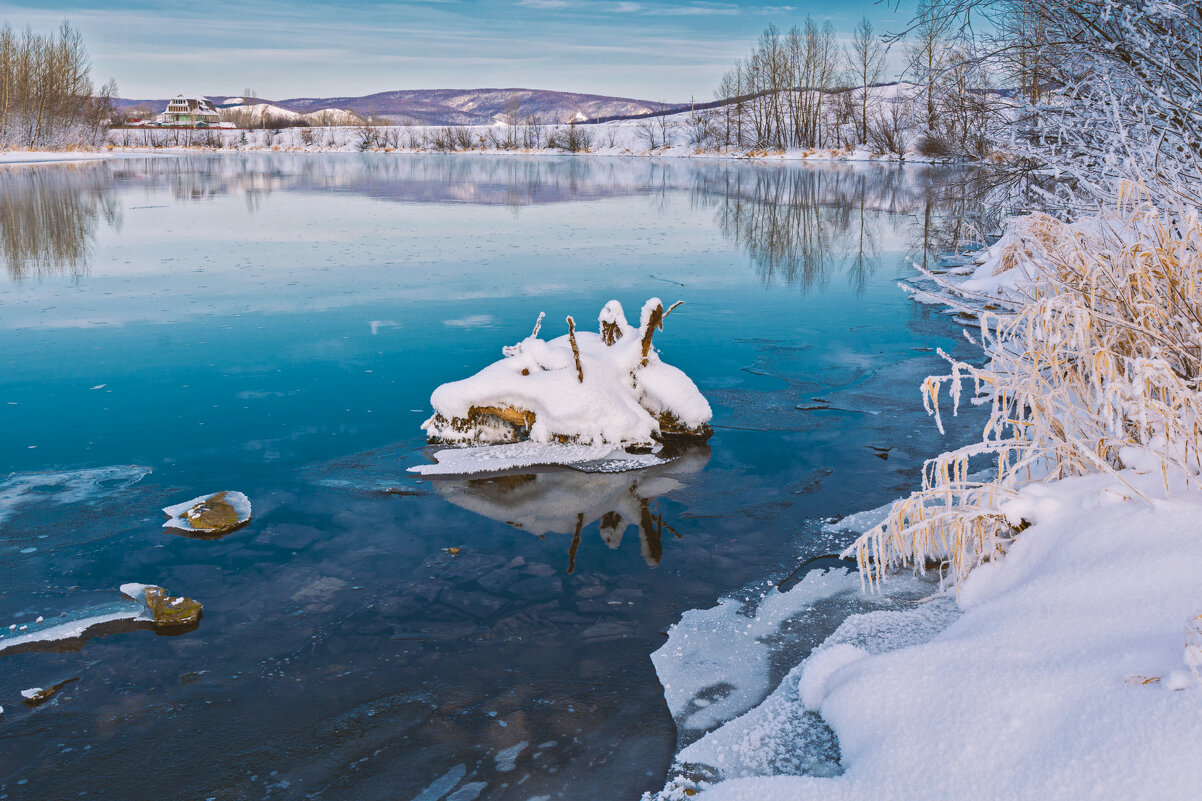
<point x="667" y="50"/>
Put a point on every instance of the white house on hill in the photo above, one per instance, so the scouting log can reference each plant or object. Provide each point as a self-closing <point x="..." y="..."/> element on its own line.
<point x="189" y="111"/>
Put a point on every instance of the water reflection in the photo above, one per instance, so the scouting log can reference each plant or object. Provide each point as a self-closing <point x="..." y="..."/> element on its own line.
<point x="958" y="208"/>
<point x="799" y="224"/>
<point x="407" y="627"/>
<point x="567" y="502"/>
<point x="49" y="217"/>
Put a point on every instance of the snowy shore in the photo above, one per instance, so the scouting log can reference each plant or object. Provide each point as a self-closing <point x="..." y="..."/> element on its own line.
<point x="624" y="138"/>
<point x="1063" y="676"/>
<point x="1065" y="665"/>
<point x="632" y="138"/>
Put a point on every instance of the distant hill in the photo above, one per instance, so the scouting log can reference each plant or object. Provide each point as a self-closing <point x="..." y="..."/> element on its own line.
<point x="454" y="106"/>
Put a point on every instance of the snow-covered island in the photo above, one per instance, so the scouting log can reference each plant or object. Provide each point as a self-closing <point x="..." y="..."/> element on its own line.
<point x="604" y="398"/>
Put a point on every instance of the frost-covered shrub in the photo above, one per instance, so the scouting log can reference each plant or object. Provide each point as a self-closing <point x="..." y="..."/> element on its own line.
<point x="933" y="146"/>
<point x="609" y="387"/>
<point x="1096" y="367"/>
<point x="887" y="130"/>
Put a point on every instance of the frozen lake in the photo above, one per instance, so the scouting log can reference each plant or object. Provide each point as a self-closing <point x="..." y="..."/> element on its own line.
<point x="275" y="324"/>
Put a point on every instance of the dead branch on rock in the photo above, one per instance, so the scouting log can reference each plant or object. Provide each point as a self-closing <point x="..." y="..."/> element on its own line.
<point x="575" y="348"/>
<point x="655" y="321"/>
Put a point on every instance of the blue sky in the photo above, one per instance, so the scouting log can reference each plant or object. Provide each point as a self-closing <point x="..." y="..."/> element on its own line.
<point x="657" y="49"/>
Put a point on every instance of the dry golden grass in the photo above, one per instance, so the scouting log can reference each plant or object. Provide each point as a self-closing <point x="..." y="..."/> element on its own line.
<point x="1193" y="645"/>
<point x="1105" y="354"/>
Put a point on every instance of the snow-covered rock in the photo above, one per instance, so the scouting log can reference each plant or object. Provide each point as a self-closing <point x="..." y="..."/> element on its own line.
<point x="608" y="390"/>
<point x="146" y="605"/>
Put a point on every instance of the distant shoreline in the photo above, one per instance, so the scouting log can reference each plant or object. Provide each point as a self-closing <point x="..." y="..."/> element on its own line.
<point x="114" y="152"/>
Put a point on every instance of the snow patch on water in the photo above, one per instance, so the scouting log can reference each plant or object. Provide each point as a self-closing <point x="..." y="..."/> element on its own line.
<point x="66" y="487"/>
<point x="506" y="758"/>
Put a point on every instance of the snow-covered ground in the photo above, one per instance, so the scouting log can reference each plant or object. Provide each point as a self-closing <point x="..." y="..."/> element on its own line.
<point x="680" y="135"/>
<point x="36" y="157"/>
<point x="1066" y="674"/>
<point x="621" y="138"/>
<point x="1068" y="666"/>
<point x="54" y="156"/>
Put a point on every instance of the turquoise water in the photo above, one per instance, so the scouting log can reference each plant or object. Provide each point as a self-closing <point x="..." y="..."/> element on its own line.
<point x="275" y="324"/>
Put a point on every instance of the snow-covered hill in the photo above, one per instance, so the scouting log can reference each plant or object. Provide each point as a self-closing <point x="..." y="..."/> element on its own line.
<point x="447" y="106"/>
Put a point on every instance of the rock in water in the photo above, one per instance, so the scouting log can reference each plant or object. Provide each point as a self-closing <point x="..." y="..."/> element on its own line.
<point x="213" y="514"/>
<point x="209" y="515"/>
<point x="171" y="610"/>
<point x="36" y="696"/>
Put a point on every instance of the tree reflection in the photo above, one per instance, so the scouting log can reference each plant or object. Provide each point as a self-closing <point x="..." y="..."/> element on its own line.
<point x="800" y="225"/>
<point x="49" y="217"/>
<point x="958" y="208"/>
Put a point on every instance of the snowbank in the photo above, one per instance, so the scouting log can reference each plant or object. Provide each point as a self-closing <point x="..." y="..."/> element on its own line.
<point x="609" y="390"/>
<point x="1067" y="675"/>
<point x="1069" y="665"/>
<point x="27" y="157"/>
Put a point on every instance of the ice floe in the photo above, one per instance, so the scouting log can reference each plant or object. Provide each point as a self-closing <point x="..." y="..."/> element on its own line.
<point x="716" y="663"/>
<point x="476" y="459"/>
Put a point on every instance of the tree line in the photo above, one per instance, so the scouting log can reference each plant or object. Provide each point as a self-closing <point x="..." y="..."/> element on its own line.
<point x="1106" y="92"/>
<point x="801" y="89"/>
<point x="1075" y="97"/>
<point x="46" y="94"/>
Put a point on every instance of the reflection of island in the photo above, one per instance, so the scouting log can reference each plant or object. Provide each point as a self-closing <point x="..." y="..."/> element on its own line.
<point x="564" y="501"/>
<point x="49" y="218"/>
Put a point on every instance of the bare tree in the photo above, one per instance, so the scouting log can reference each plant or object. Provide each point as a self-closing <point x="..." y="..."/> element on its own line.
<point x="512" y="114"/>
<point x="1109" y="94"/>
<point x="46" y="95"/>
<point x="927" y="56"/>
<point x="648" y="130"/>
<point x="866" y="59"/>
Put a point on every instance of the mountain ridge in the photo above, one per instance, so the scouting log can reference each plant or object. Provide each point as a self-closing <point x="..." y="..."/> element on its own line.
<point x="454" y="106"/>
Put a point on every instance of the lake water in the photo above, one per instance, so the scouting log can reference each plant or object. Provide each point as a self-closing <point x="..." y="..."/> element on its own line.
<point x="275" y="323"/>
